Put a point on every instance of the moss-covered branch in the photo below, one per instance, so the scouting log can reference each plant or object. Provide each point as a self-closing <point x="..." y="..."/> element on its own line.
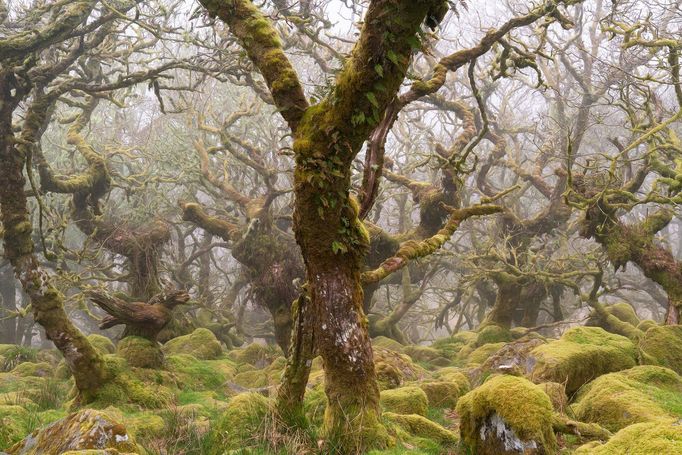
<point x="412" y="249"/>
<point x="224" y="229"/>
<point x="259" y="38"/>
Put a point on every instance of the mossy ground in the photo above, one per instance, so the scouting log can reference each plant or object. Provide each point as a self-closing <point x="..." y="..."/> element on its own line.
<point x="222" y="401"/>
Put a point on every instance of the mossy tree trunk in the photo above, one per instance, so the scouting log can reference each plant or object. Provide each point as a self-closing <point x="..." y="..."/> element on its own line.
<point x="333" y="241"/>
<point x="47" y="302"/>
<point x="8" y="326"/>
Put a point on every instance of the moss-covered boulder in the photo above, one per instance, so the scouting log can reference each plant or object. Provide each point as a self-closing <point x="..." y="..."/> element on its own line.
<point x="507" y="415"/>
<point x="444" y="394"/>
<point x="662" y="345"/>
<point x="646" y="324"/>
<point x="251" y="379"/>
<point x="387" y="343"/>
<point x="621" y="310"/>
<point x="580" y="355"/>
<point x="200" y="375"/>
<point x="557" y="394"/>
<point x="421" y="427"/>
<point x="515" y="358"/>
<point x="394" y="369"/>
<point x="641" y="394"/>
<point x="405" y="400"/>
<point x="255" y="354"/>
<point x="426" y="355"/>
<point x="201" y="344"/>
<point x="449" y="347"/>
<point x="84" y="430"/>
<point x="102" y="343"/>
<point x="482" y="353"/>
<point x="650" y="438"/>
<point x="242" y="422"/>
<point x="140" y="352"/>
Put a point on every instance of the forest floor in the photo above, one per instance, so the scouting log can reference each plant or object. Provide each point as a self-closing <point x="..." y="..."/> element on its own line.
<point x="492" y="391"/>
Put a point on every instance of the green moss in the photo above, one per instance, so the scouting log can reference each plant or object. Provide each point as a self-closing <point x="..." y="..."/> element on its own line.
<point x="444" y="394"/>
<point x="580" y="355"/>
<point x="662" y="345"/>
<point x="641" y="394"/>
<point x="420" y="426"/>
<point x="125" y="387"/>
<point x="521" y="406"/>
<point x="201" y="344"/>
<point x="405" y="400"/>
<point x="194" y="374"/>
<point x="646" y="324"/>
<point x="640" y="439"/>
<point x="255" y="354"/>
<point x="102" y="343"/>
<point x="622" y="311"/>
<point x="387" y="343"/>
<point x="557" y="394"/>
<point x="482" y="353"/>
<point x="40" y="370"/>
<point x="140" y="352"/>
<point x="251" y="379"/>
<point x="242" y="423"/>
<point x="492" y="333"/>
<point x="426" y="355"/>
<point x="12" y="425"/>
<point x="393" y="368"/>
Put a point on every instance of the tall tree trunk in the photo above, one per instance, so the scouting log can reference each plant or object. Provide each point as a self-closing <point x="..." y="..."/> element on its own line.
<point x="47" y="302"/>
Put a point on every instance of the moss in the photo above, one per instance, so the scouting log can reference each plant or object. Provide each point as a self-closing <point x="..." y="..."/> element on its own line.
<point x="511" y="404"/>
<point x="387" y="343"/>
<point x="84" y="430"/>
<point x="557" y="394"/>
<point x="242" y="422"/>
<point x="255" y="354"/>
<point x="12" y="425"/>
<point x="140" y="352"/>
<point x="102" y="343"/>
<point x="646" y="324"/>
<point x="195" y="374"/>
<point x="393" y="369"/>
<point x="640" y="439"/>
<point x="314" y="405"/>
<point x="201" y="344"/>
<point x="580" y="355"/>
<point x="641" y="394"/>
<point x="622" y="311"/>
<point x="444" y="394"/>
<point x="40" y="370"/>
<point x="251" y="379"/>
<point x="420" y="426"/>
<point x="426" y="355"/>
<point x="662" y="345"/>
<point x="492" y="333"/>
<point x="405" y="400"/>
<point x="125" y="387"/>
<point x="482" y="353"/>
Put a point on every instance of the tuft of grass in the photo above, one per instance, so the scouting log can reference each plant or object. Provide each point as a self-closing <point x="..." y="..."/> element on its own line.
<point x="16" y="355"/>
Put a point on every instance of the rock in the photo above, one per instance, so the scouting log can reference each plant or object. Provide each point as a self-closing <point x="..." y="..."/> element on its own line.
<point x="102" y="343"/>
<point x="422" y="427"/>
<point x="426" y="355"/>
<point x="662" y="345"/>
<point x="140" y="352"/>
<point x="515" y="358"/>
<point x="507" y="415"/>
<point x="641" y="394"/>
<point x="557" y="394"/>
<point x="580" y="355"/>
<point x="405" y="400"/>
<point x="660" y="438"/>
<point x="387" y="343"/>
<point x="482" y="353"/>
<point x="201" y="344"/>
<point x="646" y="324"/>
<point x="394" y="369"/>
<point x="87" y="429"/>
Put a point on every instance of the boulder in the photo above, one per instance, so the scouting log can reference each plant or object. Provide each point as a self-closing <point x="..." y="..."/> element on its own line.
<point x="87" y="429"/>
<point x="444" y="394"/>
<point x="405" y="400"/>
<point x="581" y="355"/>
<point x="641" y="394"/>
<point x="140" y="352"/>
<point x="659" y="438"/>
<point x="201" y="344"/>
<point x="422" y="427"/>
<point x="507" y="415"/>
<point x="662" y="345"/>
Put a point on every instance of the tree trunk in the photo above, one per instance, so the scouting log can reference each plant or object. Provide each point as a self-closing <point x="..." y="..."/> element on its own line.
<point x="8" y="327"/>
<point x="508" y="296"/>
<point x="47" y="302"/>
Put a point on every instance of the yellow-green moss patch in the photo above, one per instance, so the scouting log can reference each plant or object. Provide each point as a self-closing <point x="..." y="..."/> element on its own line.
<point x="201" y="344"/>
<point x="405" y="400"/>
<point x="505" y="413"/>
<point x="659" y="438"/>
<point x="662" y="345"/>
<point x="420" y="426"/>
